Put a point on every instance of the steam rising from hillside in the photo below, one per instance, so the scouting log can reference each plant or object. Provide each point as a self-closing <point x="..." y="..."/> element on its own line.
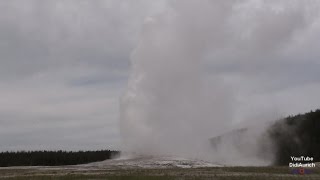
<point x="173" y="105"/>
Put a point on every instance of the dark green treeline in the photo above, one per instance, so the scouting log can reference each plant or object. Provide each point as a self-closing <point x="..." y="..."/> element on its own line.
<point x="53" y="158"/>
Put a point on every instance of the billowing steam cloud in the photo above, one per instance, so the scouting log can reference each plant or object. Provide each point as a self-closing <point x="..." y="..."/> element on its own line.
<point x="172" y="106"/>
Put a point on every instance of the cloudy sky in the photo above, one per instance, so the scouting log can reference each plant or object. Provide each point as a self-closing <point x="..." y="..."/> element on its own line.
<point x="63" y="67"/>
<point x="65" y="64"/>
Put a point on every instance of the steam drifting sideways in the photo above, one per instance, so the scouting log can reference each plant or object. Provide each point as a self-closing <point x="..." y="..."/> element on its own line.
<point x="174" y="104"/>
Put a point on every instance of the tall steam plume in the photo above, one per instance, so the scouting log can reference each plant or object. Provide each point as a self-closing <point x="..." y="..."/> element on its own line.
<point x="171" y="107"/>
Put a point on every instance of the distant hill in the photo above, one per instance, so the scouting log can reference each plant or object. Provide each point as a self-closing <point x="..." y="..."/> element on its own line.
<point x="297" y="135"/>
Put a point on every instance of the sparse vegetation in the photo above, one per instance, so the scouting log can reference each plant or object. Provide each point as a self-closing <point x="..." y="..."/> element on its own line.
<point x="219" y="173"/>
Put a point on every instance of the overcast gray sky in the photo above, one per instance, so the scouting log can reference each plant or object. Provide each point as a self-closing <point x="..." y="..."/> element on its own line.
<point x="65" y="64"/>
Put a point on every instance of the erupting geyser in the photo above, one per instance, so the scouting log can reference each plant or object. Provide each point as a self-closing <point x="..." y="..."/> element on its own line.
<point x="169" y="108"/>
<point x="173" y="106"/>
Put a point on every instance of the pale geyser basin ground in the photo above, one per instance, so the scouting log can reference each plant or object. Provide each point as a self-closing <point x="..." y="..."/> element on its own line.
<point x="142" y="167"/>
